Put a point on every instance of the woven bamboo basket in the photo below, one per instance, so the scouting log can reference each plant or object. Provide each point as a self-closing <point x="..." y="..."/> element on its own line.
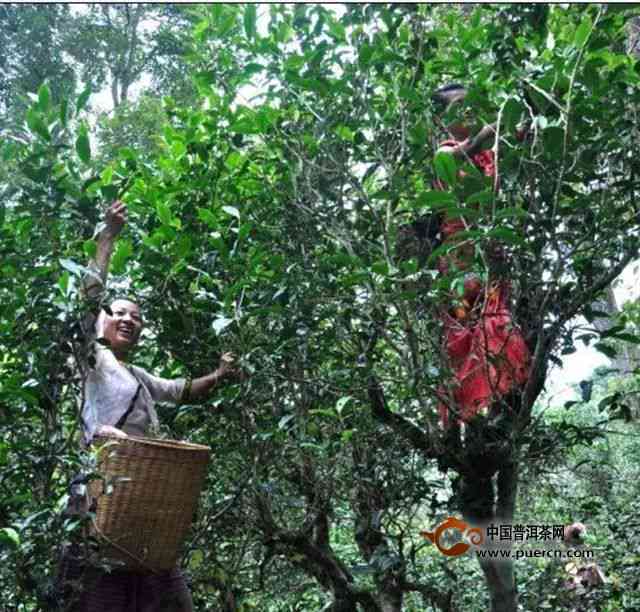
<point x="147" y="498"/>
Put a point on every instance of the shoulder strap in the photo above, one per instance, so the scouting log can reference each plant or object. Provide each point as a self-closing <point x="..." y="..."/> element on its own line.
<point x="123" y="419"/>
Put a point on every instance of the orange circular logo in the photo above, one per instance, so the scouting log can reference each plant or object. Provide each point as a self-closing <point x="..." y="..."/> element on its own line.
<point x="474" y="534"/>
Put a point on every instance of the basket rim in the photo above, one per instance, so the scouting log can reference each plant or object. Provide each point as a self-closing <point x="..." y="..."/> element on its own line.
<point x="155" y="442"/>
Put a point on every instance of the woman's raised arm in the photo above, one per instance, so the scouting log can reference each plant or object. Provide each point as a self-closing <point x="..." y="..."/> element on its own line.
<point x="114" y="220"/>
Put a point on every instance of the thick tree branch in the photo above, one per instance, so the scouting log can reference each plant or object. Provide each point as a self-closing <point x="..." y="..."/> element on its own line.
<point x="547" y="338"/>
<point x="587" y="296"/>
<point x="412" y="433"/>
<point x="443" y="601"/>
<point x="316" y="560"/>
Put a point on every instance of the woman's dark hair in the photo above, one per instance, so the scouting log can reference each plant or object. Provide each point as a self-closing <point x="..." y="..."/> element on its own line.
<point x="443" y="96"/>
<point x="127" y="298"/>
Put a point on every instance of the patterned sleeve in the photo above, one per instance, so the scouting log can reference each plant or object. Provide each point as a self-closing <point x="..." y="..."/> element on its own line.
<point x="161" y="389"/>
<point x="94" y="281"/>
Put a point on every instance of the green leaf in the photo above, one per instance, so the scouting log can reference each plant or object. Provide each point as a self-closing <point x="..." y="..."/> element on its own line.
<point x="178" y="149"/>
<point x="109" y="192"/>
<point x="418" y="134"/>
<point x="365" y="53"/>
<point x="284" y="32"/>
<point x="506" y="235"/>
<point x="380" y="267"/>
<point x="346" y="435"/>
<point x="345" y="133"/>
<point x="583" y="31"/>
<point x="208" y="217"/>
<point x="83" y="148"/>
<point x="446" y="168"/>
<point x="627" y="338"/>
<point x="481" y="197"/>
<point x="250" y="20"/>
<point x="123" y="252"/>
<point x="183" y="247"/>
<point x="82" y="99"/>
<point x="44" y="98"/>
<point x="430" y="199"/>
<point x="337" y="30"/>
<point x="341" y="403"/>
<point x="606" y="349"/>
<point x="234" y="159"/>
<point x="315" y="85"/>
<point x="64" y="109"/>
<point x="7" y="534"/>
<point x="612" y="331"/>
<point x="323" y="412"/>
<point x="608" y="401"/>
<point x="622" y="7"/>
<point x="511" y="113"/>
<point x="510" y="212"/>
<point x="225" y="23"/>
<point x="553" y="138"/>
<point x="37" y="125"/>
<point x="245" y="125"/>
<point x="107" y="175"/>
<point x="282" y="423"/>
<point x="251" y="69"/>
<point x="127" y="153"/>
<point x="90" y="248"/>
<point x="164" y="213"/>
<point x="294" y="62"/>
<point x="200" y="30"/>
<point x="63" y="282"/>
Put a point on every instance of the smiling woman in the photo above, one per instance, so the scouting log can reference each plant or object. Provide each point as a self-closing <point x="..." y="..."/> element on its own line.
<point x="119" y="401"/>
<point x="119" y="396"/>
<point x="123" y="327"/>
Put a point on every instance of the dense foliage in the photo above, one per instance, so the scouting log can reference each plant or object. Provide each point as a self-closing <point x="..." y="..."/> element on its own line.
<point x="266" y="201"/>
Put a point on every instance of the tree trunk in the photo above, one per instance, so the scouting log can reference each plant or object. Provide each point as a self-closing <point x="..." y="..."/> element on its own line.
<point x="390" y="601"/>
<point x="114" y="92"/>
<point x="500" y="573"/>
<point x="343" y="605"/>
<point x="481" y="505"/>
<point x="501" y="582"/>
<point x="628" y="356"/>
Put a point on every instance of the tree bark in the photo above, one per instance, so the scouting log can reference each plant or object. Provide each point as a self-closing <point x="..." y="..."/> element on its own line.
<point x="390" y="601"/>
<point x="500" y="579"/>
<point x="629" y="356"/>
<point x="480" y="505"/>
<point x="499" y="573"/>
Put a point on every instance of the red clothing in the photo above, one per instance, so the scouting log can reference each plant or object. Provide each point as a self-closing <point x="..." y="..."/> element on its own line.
<point x="486" y="352"/>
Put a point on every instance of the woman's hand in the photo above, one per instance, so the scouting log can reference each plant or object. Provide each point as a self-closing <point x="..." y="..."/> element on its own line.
<point x="227" y="368"/>
<point x="115" y="218"/>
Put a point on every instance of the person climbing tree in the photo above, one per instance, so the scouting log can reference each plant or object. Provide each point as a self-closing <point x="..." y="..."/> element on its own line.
<point x="485" y="350"/>
<point x="119" y="401"/>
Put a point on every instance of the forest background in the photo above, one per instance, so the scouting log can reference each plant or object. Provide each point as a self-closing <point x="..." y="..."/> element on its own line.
<point x="270" y="157"/>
